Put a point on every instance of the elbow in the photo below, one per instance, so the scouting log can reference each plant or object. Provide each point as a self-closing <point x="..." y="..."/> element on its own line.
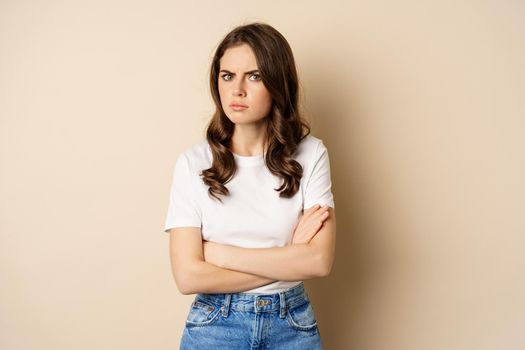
<point x="187" y="277"/>
<point x="184" y="289"/>
<point x="182" y="285"/>
<point x="324" y="266"/>
<point x="183" y="282"/>
<point x="325" y="272"/>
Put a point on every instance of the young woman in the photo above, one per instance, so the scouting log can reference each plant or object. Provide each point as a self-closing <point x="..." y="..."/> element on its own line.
<point x="251" y="212"/>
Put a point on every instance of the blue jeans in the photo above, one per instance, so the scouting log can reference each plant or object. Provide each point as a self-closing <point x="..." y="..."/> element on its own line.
<point x="284" y="321"/>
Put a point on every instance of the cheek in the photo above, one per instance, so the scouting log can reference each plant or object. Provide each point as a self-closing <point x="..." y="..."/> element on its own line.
<point x="264" y="98"/>
<point x="222" y="92"/>
<point x="268" y="102"/>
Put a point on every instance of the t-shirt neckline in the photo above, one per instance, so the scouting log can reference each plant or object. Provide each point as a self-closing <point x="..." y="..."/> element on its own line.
<point x="241" y="161"/>
<point x="248" y="160"/>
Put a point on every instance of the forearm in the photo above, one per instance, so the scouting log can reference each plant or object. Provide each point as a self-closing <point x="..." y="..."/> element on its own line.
<point x="289" y="263"/>
<point x="205" y="277"/>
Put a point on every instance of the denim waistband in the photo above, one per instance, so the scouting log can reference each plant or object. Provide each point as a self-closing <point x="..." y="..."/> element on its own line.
<point x="248" y="302"/>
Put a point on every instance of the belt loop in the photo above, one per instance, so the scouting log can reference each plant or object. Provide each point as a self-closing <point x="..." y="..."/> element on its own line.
<point x="226" y="304"/>
<point x="282" y="303"/>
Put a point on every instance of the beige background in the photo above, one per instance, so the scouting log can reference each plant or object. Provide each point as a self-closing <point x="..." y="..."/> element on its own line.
<point x="420" y="103"/>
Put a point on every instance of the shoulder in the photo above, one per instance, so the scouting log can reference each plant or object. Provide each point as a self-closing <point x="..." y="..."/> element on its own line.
<point x="196" y="151"/>
<point x="197" y="156"/>
<point x="308" y="149"/>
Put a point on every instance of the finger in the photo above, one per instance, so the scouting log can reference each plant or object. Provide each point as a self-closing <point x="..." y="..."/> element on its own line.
<point x="318" y="217"/>
<point x="313" y="226"/>
<point x="307" y="234"/>
<point x="324" y="215"/>
<point x="314" y="229"/>
<point x="309" y="214"/>
<point x="311" y="210"/>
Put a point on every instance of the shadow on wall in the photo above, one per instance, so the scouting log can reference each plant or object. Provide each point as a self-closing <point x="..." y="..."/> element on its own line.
<point x="339" y="299"/>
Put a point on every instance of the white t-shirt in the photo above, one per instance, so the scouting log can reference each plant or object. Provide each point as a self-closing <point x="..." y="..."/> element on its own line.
<point x="253" y="215"/>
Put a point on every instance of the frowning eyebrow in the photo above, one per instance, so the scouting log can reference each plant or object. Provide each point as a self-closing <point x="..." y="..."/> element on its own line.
<point x="249" y="72"/>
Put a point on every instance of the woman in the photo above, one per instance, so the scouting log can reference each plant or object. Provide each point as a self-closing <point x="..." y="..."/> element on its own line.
<point x="251" y="212"/>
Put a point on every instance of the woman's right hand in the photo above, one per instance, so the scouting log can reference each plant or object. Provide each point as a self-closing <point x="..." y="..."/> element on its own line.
<point x="309" y="224"/>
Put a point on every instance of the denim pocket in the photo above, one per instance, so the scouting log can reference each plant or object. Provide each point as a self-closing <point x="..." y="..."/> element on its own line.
<point x="302" y="317"/>
<point x="202" y="313"/>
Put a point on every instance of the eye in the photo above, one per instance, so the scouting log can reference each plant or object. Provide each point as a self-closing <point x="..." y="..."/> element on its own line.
<point x="224" y="75"/>
<point x="256" y="75"/>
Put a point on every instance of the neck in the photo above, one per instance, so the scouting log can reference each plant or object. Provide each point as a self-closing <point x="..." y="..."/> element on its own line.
<point x="249" y="139"/>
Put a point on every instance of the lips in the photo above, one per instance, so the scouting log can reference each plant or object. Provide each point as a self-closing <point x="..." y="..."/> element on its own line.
<point x="235" y="104"/>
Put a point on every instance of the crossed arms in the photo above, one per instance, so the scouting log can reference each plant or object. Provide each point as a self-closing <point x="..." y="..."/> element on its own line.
<point x="206" y="267"/>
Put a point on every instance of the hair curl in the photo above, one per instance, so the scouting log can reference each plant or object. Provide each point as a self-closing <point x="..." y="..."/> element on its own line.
<point x="285" y="125"/>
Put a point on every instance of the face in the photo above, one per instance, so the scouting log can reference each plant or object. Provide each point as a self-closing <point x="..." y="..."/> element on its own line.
<point x="240" y="82"/>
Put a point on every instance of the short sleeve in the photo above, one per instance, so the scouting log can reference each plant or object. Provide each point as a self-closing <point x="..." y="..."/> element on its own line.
<point x="318" y="189"/>
<point x="183" y="208"/>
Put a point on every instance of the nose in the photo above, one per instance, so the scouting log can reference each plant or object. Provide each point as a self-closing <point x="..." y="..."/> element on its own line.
<point x="238" y="89"/>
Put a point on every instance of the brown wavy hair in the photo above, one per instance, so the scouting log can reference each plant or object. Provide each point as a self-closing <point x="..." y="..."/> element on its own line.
<point x="285" y="125"/>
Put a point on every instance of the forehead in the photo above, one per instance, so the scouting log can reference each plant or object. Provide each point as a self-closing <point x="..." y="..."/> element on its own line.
<point x="238" y="58"/>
